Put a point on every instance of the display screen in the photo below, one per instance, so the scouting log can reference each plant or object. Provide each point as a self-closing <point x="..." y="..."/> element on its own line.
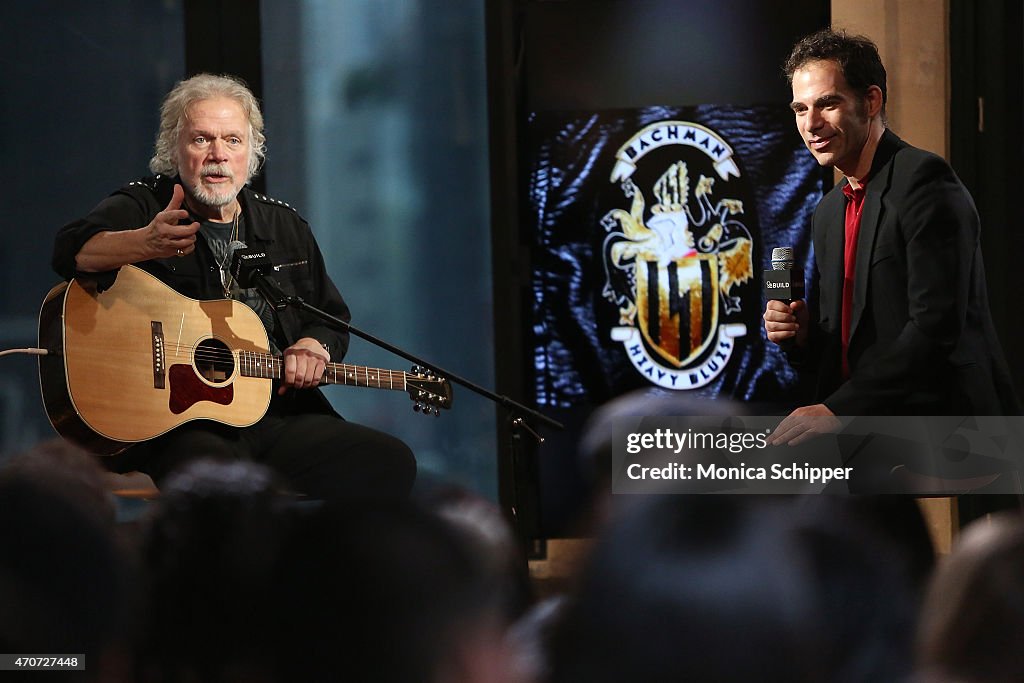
<point x="652" y="228"/>
<point x="659" y="165"/>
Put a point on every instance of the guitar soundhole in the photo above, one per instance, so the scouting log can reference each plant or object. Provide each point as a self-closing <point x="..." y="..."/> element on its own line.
<point x="213" y="360"/>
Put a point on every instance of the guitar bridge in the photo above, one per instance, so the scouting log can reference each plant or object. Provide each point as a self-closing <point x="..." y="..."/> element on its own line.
<point x="159" y="356"/>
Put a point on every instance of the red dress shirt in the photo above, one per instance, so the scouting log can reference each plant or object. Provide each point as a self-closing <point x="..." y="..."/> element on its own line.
<point x="854" y="205"/>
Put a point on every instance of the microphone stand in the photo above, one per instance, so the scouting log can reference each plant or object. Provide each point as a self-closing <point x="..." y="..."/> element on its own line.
<point x="249" y="270"/>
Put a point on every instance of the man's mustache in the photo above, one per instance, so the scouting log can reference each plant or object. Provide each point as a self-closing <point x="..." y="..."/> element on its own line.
<point x="217" y="169"/>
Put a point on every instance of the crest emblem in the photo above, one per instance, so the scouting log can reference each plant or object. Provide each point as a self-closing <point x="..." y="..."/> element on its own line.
<point x="674" y="272"/>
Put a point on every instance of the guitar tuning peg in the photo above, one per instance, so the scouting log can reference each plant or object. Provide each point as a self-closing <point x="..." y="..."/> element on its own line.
<point x="416" y="407"/>
<point x="437" y="412"/>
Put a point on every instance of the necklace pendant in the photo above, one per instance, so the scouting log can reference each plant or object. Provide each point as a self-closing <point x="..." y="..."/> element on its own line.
<point x="225" y="284"/>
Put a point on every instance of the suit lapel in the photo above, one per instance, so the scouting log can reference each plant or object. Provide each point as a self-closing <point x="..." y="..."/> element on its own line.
<point x="832" y="254"/>
<point x="871" y="216"/>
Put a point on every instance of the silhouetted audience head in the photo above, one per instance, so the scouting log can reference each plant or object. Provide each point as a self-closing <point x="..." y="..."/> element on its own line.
<point x="487" y="534"/>
<point x="742" y="588"/>
<point x="868" y="559"/>
<point x="972" y="623"/>
<point x="692" y="588"/>
<point x="595" y="449"/>
<point x="388" y="594"/>
<point x="65" y="584"/>
<point x="210" y="552"/>
<point x="646" y="409"/>
<point x="531" y="636"/>
<point x="72" y="473"/>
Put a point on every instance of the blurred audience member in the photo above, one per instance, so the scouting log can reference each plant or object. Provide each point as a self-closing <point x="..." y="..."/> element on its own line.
<point x="530" y="638"/>
<point x="71" y="472"/>
<point x="209" y="556"/>
<point x="65" y="584"/>
<point x="972" y="623"/>
<point x="487" y="534"/>
<point x="389" y="594"/>
<point x="693" y="588"/>
<point x="596" y="444"/>
<point x="869" y="559"/>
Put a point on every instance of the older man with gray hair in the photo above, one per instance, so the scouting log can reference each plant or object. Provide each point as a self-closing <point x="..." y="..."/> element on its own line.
<point x="182" y="225"/>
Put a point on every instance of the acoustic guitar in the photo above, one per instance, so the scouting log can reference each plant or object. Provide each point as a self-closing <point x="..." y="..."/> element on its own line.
<point x="139" y="359"/>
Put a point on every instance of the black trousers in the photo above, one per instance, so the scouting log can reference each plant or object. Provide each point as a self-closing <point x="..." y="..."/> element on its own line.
<point x="322" y="456"/>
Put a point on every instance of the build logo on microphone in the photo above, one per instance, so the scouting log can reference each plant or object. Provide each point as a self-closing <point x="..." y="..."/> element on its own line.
<point x="679" y="255"/>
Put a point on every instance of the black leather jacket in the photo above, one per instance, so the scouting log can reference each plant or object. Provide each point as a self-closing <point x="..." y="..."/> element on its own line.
<point x="271" y="226"/>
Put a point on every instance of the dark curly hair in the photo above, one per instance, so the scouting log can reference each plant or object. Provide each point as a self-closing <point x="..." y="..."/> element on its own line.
<point x="857" y="57"/>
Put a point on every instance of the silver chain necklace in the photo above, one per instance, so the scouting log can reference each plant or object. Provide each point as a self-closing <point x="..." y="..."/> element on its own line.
<point x="227" y="280"/>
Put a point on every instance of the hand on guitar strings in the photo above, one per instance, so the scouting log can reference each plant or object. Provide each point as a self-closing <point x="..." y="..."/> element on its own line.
<point x="304" y="364"/>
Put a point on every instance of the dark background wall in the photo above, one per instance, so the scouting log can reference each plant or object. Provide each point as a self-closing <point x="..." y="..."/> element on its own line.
<point x="79" y="107"/>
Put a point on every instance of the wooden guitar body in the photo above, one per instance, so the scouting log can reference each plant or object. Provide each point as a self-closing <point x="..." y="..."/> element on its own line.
<point x="139" y="359"/>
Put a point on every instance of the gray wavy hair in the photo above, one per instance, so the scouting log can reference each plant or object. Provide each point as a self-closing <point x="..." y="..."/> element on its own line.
<point x="195" y="89"/>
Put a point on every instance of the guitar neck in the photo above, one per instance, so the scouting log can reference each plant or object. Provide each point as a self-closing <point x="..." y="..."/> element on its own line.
<point x="252" y="364"/>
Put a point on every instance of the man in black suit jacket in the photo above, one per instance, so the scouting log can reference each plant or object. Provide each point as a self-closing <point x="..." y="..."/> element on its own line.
<point x="901" y="322"/>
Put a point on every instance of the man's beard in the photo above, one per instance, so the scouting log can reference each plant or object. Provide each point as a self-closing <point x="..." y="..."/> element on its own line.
<point x="213" y="198"/>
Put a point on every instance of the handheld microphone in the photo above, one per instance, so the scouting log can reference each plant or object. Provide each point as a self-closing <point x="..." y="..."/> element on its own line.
<point x="784" y="282"/>
<point x="250" y="269"/>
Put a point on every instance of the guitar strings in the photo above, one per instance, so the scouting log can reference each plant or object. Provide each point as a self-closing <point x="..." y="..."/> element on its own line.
<point x="378" y="376"/>
<point x="227" y="356"/>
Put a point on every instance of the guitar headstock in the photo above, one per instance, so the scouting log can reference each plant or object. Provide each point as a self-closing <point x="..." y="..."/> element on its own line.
<point x="428" y="392"/>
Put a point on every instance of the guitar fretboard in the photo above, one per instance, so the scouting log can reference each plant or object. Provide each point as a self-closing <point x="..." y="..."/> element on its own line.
<point x="253" y="364"/>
